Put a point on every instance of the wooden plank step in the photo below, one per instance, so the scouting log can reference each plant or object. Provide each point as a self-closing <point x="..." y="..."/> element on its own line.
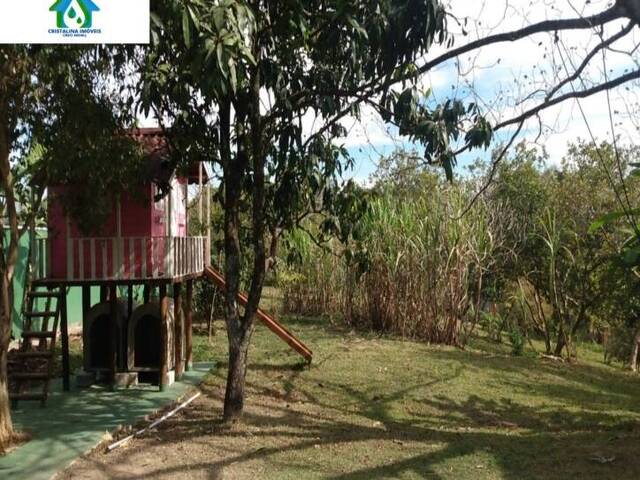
<point x="34" y="334"/>
<point x="29" y="376"/>
<point x="32" y="354"/>
<point x="27" y="396"/>
<point x="40" y="314"/>
<point x="36" y="294"/>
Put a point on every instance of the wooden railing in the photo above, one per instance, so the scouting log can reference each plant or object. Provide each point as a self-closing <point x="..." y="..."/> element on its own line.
<point x="41" y="258"/>
<point x="133" y="258"/>
<point x="189" y="255"/>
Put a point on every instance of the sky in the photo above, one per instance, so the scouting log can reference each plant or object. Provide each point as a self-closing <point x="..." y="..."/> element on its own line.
<point x="499" y="77"/>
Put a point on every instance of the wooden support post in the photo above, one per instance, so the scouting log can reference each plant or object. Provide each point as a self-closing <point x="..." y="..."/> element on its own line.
<point x="129" y="300"/>
<point x="178" y="331"/>
<point x="104" y="294"/>
<point x="70" y="264"/>
<point x="146" y="293"/>
<point x="113" y="332"/>
<point x="86" y="306"/>
<point x="188" y="328"/>
<point x="64" y="330"/>
<point x="164" y="334"/>
<point x="125" y="327"/>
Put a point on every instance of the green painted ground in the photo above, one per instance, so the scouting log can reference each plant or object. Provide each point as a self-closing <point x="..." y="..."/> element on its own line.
<point x="73" y="423"/>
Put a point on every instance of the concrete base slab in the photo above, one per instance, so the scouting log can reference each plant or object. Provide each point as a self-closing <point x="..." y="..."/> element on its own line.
<point x="125" y="379"/>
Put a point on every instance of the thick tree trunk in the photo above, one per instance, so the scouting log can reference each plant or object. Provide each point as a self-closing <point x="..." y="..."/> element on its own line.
<point x="543" y="319"/>
<point x="249" y="154"/>
<point x="6" y="425"/>
<point x="560" y="345"/>
<point x="635" y="352"/>
<point x="561" y="342"/>
<point x="8" y="258"/>
<point x="234" y="170"/>
<point x="237" y="373"/>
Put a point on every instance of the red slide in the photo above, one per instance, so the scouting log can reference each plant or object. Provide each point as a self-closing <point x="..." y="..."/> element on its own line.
<point x="276" y="327"/>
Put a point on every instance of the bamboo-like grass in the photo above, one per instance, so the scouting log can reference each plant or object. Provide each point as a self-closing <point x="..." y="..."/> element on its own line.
<point x="425" y="266"/>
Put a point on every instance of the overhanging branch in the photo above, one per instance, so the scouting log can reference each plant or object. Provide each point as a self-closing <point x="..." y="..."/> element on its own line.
<point x="604" y="44"/>
<point x="582" y="23"/>
<point x="616" y="82"/>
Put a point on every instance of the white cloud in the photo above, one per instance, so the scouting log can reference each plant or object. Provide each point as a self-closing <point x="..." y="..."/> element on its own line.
<point x="536" y="63"/>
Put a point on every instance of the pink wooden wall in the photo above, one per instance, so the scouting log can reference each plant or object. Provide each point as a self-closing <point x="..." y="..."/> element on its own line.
<point x="141" y="220"/>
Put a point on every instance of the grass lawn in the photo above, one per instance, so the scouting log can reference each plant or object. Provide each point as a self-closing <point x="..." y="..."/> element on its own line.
<point x="373" y="407"/>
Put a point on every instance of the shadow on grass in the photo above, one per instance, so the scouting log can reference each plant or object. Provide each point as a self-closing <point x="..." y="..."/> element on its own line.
<point x="522" y="441"/>
<point x="544" y="419"/>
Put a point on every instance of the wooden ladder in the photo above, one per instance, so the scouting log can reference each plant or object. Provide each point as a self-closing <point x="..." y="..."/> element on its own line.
<point x="31" y="367"/>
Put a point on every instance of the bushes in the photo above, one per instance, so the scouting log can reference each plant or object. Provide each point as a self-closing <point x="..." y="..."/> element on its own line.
<point x="312" y="283"/>
<point x="415" y="266"/>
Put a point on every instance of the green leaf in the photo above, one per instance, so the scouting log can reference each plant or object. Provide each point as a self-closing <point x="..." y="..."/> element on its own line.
<point x="356" y="26"/>
<point x="194" y="18"/>
<point x="156" y="20"/>
<point x="218" y="18"/>
<point x="631" y="256"/>
<point x="221" y="64"/>
<point x="610" y="218"/>
<point x="186" y="28"/>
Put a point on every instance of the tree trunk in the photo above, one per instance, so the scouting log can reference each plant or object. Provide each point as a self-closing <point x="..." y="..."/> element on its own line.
<point x="6" y="307"/>
<point x="6" y="425"/>
<point x="561" y="343"/>
<point x="635" y="352"/>
<point x="237" y="374"/>
<point x="249" y="153"/>
<point x="8" y="259"/>
<point x="234" y="170"/>
<point x="562" y="340"/>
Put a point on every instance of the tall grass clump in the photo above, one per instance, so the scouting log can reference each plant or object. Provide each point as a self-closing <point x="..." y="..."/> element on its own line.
<point x="426" y="266"/>
<point x="421" y="268"/>
<point x="314" y="281"/>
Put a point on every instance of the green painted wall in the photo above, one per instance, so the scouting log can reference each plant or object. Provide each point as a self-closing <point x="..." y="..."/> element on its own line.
<point x="74" y="297"/>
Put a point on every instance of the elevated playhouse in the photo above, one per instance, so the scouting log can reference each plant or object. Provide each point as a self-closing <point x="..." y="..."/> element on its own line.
<point x="142" y="247"/>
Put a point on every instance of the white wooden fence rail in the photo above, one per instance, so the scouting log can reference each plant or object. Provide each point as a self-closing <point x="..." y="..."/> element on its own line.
<point x="131" y="258"/>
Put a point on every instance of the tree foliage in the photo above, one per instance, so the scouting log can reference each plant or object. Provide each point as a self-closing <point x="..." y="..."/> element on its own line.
<point x="59" y="124"/>
<point x="242" y="77"/>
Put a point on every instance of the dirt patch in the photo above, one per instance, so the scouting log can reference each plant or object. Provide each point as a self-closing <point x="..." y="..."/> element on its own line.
<point x="194" y="444"/>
